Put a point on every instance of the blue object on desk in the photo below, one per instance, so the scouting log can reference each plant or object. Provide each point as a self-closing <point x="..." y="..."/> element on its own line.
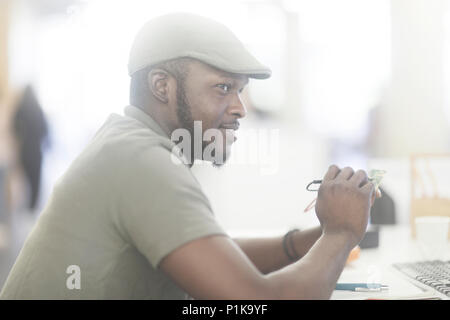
<point x="358" y="286"/>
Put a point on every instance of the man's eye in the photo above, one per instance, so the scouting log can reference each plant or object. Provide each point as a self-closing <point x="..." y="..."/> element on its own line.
<point x="224" y="87"/>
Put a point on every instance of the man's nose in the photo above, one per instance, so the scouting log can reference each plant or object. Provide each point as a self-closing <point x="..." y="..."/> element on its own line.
<point x="237" y="107"/>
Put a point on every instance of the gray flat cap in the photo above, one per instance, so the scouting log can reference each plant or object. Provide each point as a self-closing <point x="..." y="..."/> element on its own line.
<point x="179" y="35"/>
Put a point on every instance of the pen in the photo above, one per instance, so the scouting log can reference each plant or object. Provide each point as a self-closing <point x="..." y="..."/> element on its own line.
<point x="367" y="289"/>
<point x="362" y="287"/>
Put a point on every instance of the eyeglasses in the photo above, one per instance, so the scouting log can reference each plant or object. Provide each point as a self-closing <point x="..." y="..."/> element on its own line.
<point x="375" y="180"/>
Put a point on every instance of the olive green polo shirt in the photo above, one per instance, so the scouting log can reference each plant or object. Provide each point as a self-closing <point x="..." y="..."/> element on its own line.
<point x="121" y="207"/>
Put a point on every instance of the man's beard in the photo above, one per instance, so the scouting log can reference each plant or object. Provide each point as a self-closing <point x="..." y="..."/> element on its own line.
<point x="185" y="121"/>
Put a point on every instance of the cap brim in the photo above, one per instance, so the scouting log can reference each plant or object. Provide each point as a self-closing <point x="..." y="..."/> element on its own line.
<point x="241" y="62"/>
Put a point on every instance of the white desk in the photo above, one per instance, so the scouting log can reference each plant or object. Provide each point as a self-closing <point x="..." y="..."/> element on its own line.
<point x="375" y="265"/>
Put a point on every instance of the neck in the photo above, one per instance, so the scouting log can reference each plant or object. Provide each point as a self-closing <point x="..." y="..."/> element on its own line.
<point x="159" y="117"/>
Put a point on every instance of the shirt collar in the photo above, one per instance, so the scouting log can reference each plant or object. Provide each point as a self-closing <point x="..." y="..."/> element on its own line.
<point x="138" y="114"/>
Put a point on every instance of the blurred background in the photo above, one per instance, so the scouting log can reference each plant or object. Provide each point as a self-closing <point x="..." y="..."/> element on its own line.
<point x="361" y="83"/>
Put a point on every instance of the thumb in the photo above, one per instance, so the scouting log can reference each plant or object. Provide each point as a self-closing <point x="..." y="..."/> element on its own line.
<point x="370" y="189"/>
<point x="372" y="198"/>
<point x="376" y="194"/>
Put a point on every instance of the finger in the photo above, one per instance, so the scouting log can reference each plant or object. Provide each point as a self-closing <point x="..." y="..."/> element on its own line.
<point x="368" y="188"/>
<point x="332" y="172"/>
<point x="375" y="195"/>
<point x="359" y="178"/>
<point x="378" y="192"/>
<point x="345" y="174"/>
<point x="372" y="198"/>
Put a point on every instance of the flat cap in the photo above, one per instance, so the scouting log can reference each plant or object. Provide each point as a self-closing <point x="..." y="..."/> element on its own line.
<point x="178" y="35"/>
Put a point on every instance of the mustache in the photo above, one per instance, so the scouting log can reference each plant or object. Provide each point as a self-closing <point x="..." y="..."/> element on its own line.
<point x="232" y="125"/>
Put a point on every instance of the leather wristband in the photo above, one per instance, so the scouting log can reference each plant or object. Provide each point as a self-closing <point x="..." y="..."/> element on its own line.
<point x="289" y="242"/>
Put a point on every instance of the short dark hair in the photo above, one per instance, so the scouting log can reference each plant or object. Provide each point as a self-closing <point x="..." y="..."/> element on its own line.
<point x="139" y="91"/>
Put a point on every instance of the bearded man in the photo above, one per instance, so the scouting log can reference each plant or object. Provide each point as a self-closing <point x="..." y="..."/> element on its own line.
<point x="126" y="221"/>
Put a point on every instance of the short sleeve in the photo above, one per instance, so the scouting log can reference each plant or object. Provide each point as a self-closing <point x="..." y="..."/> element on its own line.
<point x="161" y="205"/>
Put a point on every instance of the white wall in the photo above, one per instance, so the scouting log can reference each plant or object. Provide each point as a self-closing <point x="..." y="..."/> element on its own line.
<point x="413" y="117"/>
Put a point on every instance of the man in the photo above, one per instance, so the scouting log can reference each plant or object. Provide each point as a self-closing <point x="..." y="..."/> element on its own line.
<point x="128" y="221"/>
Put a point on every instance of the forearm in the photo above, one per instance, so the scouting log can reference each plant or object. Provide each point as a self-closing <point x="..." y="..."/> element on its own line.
<point x="316" y="274"/>
<point x="305" y="239"/>
<point x="268" y="254"/>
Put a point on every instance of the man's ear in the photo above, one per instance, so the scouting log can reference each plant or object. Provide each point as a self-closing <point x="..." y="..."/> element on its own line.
<point x="158" y="82"/>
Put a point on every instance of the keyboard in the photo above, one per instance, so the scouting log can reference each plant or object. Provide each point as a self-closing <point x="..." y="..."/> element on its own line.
<point x="435" y="274"/>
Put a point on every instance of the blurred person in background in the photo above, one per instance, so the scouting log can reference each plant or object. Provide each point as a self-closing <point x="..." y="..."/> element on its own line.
<point x="129" y="220"/>
<point x="30" y="131"/>
<point x="11" y="180"/>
